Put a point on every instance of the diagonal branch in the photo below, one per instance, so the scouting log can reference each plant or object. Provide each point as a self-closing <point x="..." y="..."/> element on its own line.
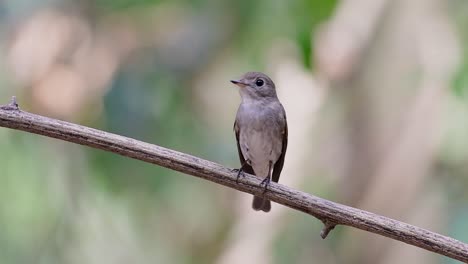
<point x="330" y="213"/>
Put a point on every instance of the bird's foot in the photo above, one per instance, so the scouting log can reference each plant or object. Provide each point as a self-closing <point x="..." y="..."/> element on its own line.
<point x="265" y="182"/>
<point x="240" y="173"/>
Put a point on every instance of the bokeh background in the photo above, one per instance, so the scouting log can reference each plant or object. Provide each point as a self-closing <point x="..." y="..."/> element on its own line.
<point x="376" y="93"/>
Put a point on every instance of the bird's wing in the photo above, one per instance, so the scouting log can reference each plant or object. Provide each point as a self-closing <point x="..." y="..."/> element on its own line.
<point x="279" y="163"/>
<point x="246" y="167"/>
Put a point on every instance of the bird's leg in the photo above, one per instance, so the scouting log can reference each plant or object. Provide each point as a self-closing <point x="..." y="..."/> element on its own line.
<point x="240" y="171"/>
<point x="267" y="180"/>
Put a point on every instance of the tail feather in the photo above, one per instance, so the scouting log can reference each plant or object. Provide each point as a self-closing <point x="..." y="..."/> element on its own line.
<point x="261" y="204"/>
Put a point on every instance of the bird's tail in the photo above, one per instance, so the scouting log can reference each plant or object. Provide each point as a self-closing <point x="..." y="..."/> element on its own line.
<point x="261" y="204"/>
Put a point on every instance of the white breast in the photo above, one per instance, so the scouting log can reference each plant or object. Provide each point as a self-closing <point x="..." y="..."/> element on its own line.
<point x="260" y="137"/>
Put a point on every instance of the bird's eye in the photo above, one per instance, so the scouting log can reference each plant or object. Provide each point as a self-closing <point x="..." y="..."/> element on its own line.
<point x="259" y="82"/>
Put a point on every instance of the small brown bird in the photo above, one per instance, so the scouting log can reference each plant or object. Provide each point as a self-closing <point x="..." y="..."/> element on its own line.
<point x="261" y="131"/>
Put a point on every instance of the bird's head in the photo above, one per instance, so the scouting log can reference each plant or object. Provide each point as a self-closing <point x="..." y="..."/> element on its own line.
<point x="255" y="86"/>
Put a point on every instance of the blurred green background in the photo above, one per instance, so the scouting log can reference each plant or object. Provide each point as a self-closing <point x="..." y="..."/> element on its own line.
<point x="376" y="94"/>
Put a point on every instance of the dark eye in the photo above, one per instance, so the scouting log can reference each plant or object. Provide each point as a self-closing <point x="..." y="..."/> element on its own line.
<point x="259" y="82"/>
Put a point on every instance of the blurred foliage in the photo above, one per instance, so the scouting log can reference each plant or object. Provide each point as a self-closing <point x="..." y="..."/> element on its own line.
<point x="460" y="83"/>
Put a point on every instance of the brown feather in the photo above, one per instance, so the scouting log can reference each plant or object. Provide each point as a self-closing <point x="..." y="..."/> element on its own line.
<point x="278" y="167"/>
<point x="247" y="168"/>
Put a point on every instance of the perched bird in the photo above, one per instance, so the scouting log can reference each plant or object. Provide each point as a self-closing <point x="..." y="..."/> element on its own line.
<point x="261" y="131"/>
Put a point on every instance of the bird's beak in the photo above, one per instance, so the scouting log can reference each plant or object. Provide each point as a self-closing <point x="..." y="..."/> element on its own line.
<point x="239" y="83"/>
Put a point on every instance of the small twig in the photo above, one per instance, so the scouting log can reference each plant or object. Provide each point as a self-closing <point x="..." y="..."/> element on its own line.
<point x="327" y="227"/>
<point x="13" y="105"/>
<point x="331" y="213"/>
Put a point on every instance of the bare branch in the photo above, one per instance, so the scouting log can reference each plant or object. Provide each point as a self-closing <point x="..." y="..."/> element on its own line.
<point x="330" y="213"/>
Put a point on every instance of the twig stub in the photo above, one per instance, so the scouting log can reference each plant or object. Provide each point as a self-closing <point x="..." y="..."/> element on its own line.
<point x="13" y="105"/>
<point x="328" y="226"/>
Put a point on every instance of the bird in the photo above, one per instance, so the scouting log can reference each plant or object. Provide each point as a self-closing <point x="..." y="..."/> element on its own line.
<point x="261" y="132"/>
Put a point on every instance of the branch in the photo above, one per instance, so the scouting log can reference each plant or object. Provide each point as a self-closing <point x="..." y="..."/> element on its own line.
<point x="330" y="213"/>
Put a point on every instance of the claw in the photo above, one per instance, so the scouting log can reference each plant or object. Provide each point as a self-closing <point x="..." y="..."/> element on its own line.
<point x="240" y="173"/>
<point x="265" y="182"/>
